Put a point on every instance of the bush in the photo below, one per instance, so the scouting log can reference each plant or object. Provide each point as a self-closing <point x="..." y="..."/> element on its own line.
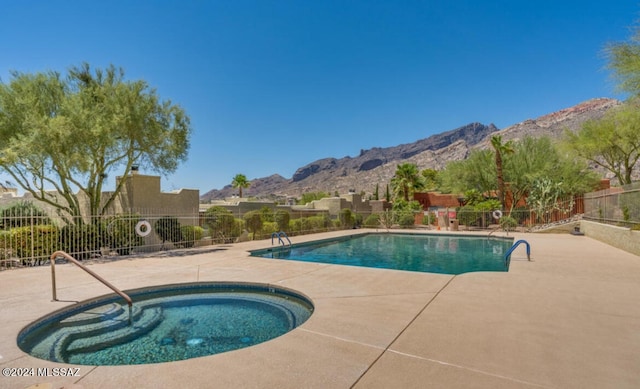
<point x="508" y="223"/>
<point x="282" y="219"/>
<point x="347" y="219"/>
<point x="221" y="223"/>
<point x="121" y="233"/>
<point x="82" y="240"/>
<point x="6" y="246"/>
<point x="387" y="218"/>
<point x="372" y="221"/>
<point x="266" y="214"/>
<point x="191" y="234"/>
<point x="168" y="229"/>
<point x="253" y="222"/>
<point x="269" y="228"/>
<point x="406" y="219"/>
<point x="35" y="242"/>
<point x="310" y="224"/>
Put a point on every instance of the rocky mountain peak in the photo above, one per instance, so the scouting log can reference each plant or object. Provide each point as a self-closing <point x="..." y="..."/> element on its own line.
<point x="377" y="165"/>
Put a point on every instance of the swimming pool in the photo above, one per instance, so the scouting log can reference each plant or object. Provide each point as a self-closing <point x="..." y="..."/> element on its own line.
<point x="168" y="323"/>
<point x="430" y="253"/>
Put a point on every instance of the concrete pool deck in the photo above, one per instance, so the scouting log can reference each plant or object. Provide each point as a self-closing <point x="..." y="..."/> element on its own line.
<point x="570" y="318"/>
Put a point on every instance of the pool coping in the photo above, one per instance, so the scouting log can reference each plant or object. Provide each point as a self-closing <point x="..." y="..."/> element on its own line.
<point x="568" y="318"/>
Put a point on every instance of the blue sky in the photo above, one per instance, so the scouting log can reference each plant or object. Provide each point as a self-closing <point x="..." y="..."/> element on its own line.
<point x="271" y="86"/>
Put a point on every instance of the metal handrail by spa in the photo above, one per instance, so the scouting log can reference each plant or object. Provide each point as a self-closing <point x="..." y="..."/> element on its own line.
<point x="83" y="267"/>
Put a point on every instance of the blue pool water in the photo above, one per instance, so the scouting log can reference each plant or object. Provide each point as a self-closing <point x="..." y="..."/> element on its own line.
<point x="445" y="254"/>
<point x="169" y="323"/>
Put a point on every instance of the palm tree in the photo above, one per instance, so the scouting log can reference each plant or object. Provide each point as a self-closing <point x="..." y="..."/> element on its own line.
<point x="240" y="181"/>
<point x="501" y="149"/>
<point x="406" y="180"/>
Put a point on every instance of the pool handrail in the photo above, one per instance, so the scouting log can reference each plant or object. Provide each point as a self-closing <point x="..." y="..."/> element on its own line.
<point x="515" y="245"/>
<point x="71" y="259"/>
<point x="280" y="235"/>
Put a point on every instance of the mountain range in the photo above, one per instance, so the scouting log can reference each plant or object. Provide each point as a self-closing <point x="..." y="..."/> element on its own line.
<point x="378" y="165"/>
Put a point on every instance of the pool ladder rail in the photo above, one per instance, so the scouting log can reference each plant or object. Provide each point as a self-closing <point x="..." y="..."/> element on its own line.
<point x="507" y="256"/>
<point x="280" y="235"/>
<point x="86" y="269"/>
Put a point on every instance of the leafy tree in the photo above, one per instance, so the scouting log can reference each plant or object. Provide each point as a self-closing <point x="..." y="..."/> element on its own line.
<point x="240" y="181"/>
<point x="430" y="177"/>
<point x="532" y="159"/>
<point x="473" y="197"/>
<point x="476" y="172"/>
<point x="69" y="134"/>
<point x="501" y="149"/>
<point x="624" y="61"/>
<point x="376" y="194"/>
<point x="537" y="158"/>
<point x="406" y="181"/>
<point x="612" y="142"/>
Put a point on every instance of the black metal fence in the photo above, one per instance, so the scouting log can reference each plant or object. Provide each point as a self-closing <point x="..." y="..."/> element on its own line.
<point x="28" y="236"/>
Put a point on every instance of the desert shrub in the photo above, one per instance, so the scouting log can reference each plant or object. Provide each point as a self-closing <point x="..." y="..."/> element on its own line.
<point x="507" y="223"/>
<point x="267" y="214"/>
<point x="347" y="219"/>
<point x="299" y="225"/>
<point x="191" y="234"/>
<point x="6" y="246"/>
<point x="406" y="219"/>
<point x="388" y="218"/>
<point x="306" y="225"/>
<point x="253" y="221"/>
<point x="82" y="240"/>
<point x="221" y="223"/>
<point x="269" y="228"/>
<point x="121" y="233"/>
<point x="168" y="229"/>
<point x="372" y="220"/>
<point x="35" y="243"/>
<point x="282" y="219"/>
<point x="320" y="222"/>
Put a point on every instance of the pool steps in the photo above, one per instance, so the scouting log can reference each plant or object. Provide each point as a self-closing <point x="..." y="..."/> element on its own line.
<point x="147" y="320"/>
<point x="109" y="325"/>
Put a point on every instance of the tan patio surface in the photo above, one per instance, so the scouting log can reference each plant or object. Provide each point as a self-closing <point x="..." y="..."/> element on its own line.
<point x="570" y="318"/>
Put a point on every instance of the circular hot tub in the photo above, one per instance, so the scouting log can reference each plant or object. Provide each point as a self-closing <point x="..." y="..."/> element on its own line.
<point x="166" y="323"/>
